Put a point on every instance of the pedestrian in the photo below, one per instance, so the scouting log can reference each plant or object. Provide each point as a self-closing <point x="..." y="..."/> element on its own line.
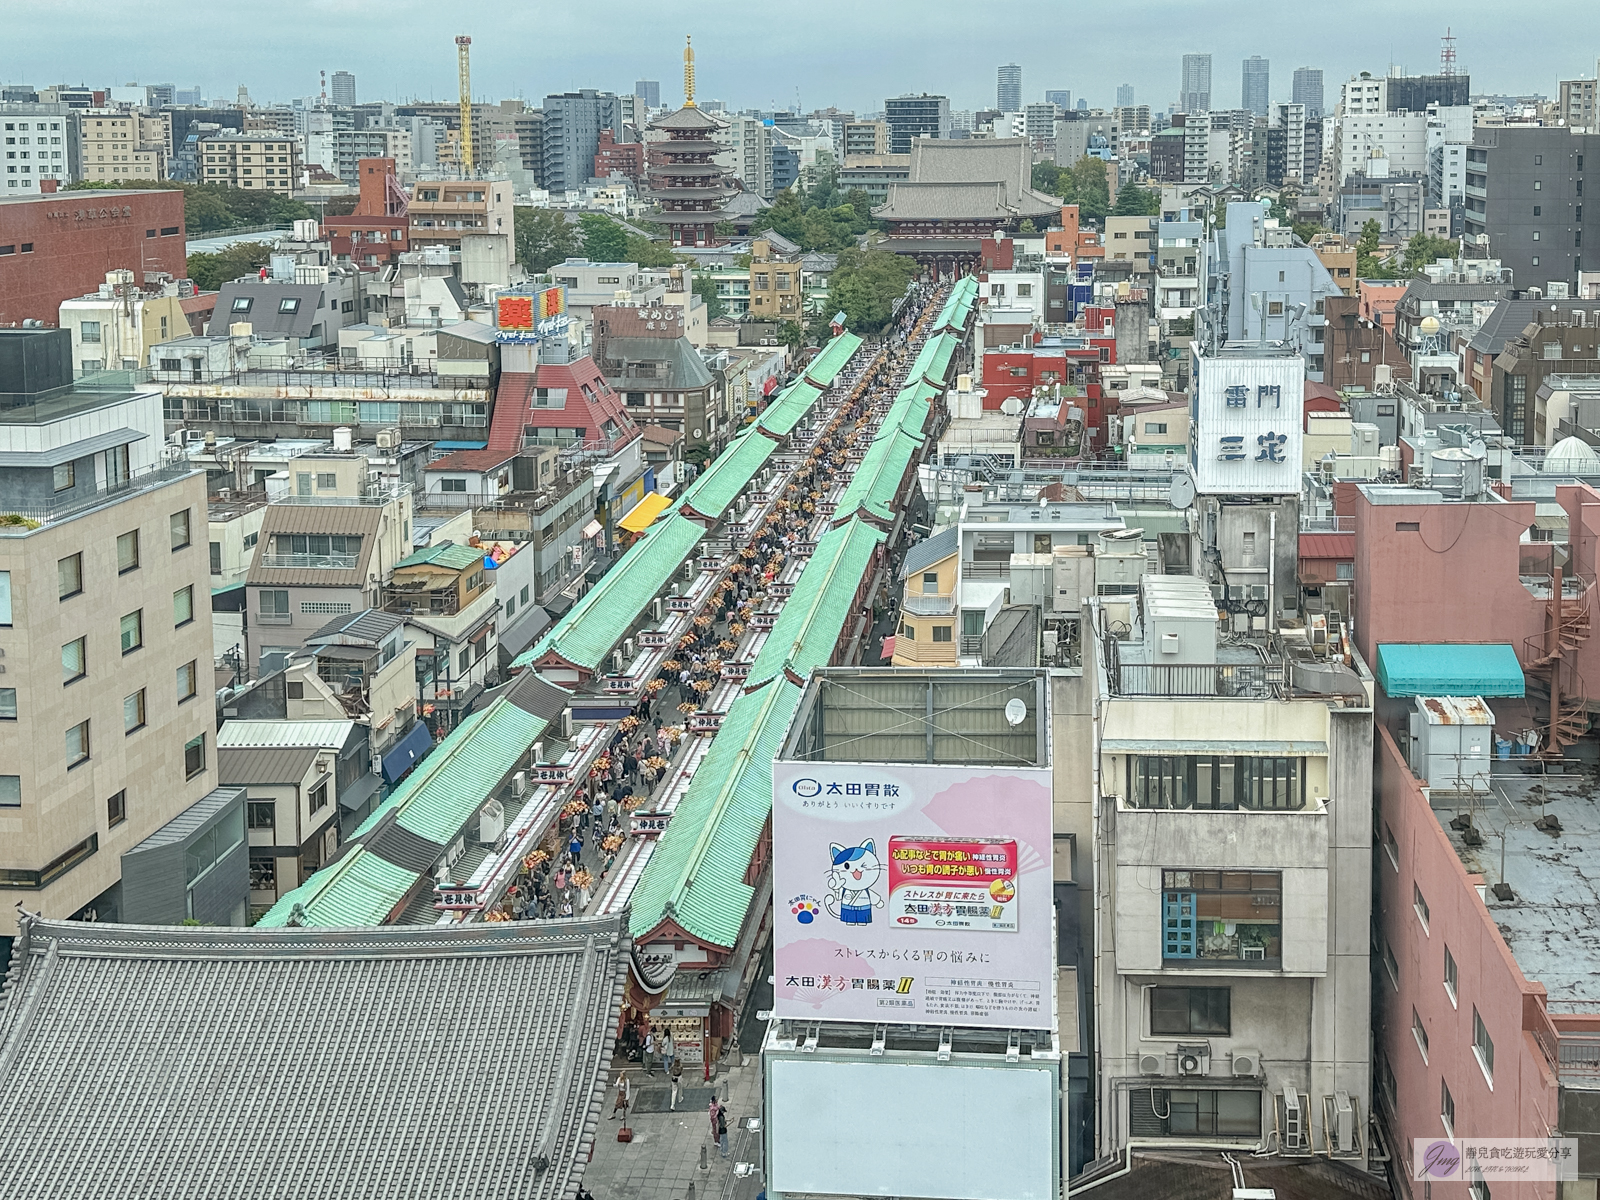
<point x="566" y="908"/>
<point x="722" y="1130"/>
<point x="675" y="1074"/>
<point x="650" y="1050"/>
<point x="669" y="1050"/>
<point x="575" y="846"/>
<point x="624" y="1097"/>
<point x="712" y="1110"/>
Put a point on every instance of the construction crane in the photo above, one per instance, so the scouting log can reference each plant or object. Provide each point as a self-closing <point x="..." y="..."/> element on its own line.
<point x="464" y="57"/>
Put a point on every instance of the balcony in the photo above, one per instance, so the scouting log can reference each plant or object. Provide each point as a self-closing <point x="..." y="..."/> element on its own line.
<point x="311" y="562"/>
<point x="422" y="602"/>
<point x="48" y="510"/>
<point x="1255" y="681"/>
<point x="920" y="605"/>
<point x="375" y="497"/>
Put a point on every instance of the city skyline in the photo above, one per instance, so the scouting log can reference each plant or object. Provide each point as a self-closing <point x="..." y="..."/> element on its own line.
<point x="855" y="73"/>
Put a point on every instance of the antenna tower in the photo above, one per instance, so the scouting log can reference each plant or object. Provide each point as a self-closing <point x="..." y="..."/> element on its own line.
<point x="1447" y="53"/>
<point x="464" y="59"/>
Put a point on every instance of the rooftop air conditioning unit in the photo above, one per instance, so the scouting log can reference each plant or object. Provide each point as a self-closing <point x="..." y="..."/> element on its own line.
<point x="519" y="783"/>
<point x="1194" y="1060"/>
<point x="536" y="753"/>
<point x="658" y="609"/>
<point x="616" y="662"/>
<point x="629" y="649"/>
<point x="1152" y="1064"/>
<point x="1294" y="1123"/>
<point x="491" y="823"/>
<point x="1247" y="1063"/>
<point x="388" y="439"/>
<point x="566" y="724"/>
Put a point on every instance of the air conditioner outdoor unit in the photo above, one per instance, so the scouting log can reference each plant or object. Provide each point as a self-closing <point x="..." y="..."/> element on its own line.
<point x="658" y="608"/>
<point x="1152" y="1064"/>
<point x="491" y="823"/>
<point x="1294" y="1125"/>
<point x="1247" y="1062"/>
<point x="566" y="724"/>
<point x="388" y="439"/>
<point x="628" y="649"/>
<point x="1194" y="1060"/>
<point x="519" y="783"/>
<point x="1344" y="1123"/>
<point x="616" y="662"/>
<point x="535" y="753"/>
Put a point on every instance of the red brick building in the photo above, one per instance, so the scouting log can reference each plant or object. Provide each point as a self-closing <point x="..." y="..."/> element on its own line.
<point x="618" y="158"/>
<point x="59" y="245"/>
<point x="376" y="233"/>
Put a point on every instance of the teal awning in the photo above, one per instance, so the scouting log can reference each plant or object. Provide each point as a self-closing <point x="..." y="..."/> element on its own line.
<point x="1449" y="669"/>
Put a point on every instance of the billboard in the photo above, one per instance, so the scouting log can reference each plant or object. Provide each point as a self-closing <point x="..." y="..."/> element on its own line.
<point x="913" y="894"/>
<point x="552" y="302"/>
<point x="514" y="312"/>
<point x="1248" y="426"/>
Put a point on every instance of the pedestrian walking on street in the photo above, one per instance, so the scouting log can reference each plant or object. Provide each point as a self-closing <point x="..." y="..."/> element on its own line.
<point x="712" y="1110"/>
<point x="675" y="1074"/>
<point x="669" y="1050"/>
<point x="722" y="1130"/>
<point x="624" y="1097"/>
<point x="650" y="1050"/>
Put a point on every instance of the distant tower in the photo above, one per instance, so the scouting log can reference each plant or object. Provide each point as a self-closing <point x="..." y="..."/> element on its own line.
<point x="648" y="90"/>
<point x="464" y="64"/>
<point x="342" y="89"/>
<point x="1447" y="53"/>
<point x="1308" y="90"/>
<point x="1253" y="89"/>
<point x="1125" y="95"/>
<point x="687" y="188"/>
<point x="1195" y="95"/>
<point x="1008" y="88"/>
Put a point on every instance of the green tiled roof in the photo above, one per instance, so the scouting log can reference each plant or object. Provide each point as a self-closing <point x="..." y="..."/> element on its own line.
<point x="359" y="889"/>
<point x="717" y="486"/>
<point x="467" y="766"/>
<point x="457" y="558"/>
<point x="876" y="483"/>
<point x="784" y="413"/>
<point x="909" y="412"/>
<point x="811" y="620"/>
<point x="939" y="363"/>
<point x="621" y="595"/>
<point x="825" y="367"/>
<point x="696" y="875"/>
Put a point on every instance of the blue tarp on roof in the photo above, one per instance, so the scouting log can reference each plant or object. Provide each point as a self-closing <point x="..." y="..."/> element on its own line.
<point x="1450" y="669"/>
<point x="403" y="757"/>
<point x="461" y="445"/>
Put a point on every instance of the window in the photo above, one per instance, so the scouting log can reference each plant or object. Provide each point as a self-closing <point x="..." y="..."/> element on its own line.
<point x="1421" y="905"/>
<point x="63" y="477"/>
<point x="263" y="871"/>
<point x="89" y="332"/>
<point x="5" y="597"/>
<point x="74" y="660"/>
<point x="1344" y="570"/>
<point x="216" y="558"/>
<point x="187" y="681"/>
<point x="241" y="304"/>
<point x="1407" y="526"/>
<point x="133" y="631"/>
<point x="8" y="704"/>
<point x="1195" y="1112"/>
<point x="182" y="606"/>
<point x="133" y="712"/>
<point x="1391" y="965"/>
<point x="319" y="797"/>
<point x="1450" y="974"/>
<point x="1421" y="1034"/>
<point x="77" y="744"/>
<point x="295" y="690"/>
<point x="930" y="582"/>
<point x="1391" y="847"/>
<point x="1447" y="1108"/>
<point x="289" y="304"/>
<point x="1538" y="185"/>
<point x="1536" y="235"/>
<point x="1233" y="915"/>
<point x="524" y="596"/>
<point x="194" y="756"/>
<point x="260" y="814"/>
<point x="179" y="525"/>
<point x="274" y="603"/>
<point x="10" y="791"/>
<point x="1482" y="1047"/>
<point x="117" y="808"/>
<point x="464" y="660"/>
<point x="1216" y="782"/>
<point x="908" y="632"/>
<point x="1536" y="210"/>
<point x="941" y="633"/>
<point x="69" y="575"/>
<point x="1179" y="1011"/>
<point x="452" y="485"/>
<point x="127" y="551"/>
<point x="327" y="481"/>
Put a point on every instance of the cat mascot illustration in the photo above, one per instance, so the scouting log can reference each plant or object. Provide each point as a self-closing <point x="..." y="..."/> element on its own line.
<point x="855" y="872"/>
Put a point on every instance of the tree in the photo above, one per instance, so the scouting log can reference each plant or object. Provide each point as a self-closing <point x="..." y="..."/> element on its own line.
<point x="648" y="253"/>
<point x="865" y="285"/>
<point x="211" y="271"/>
<point x="603" y="239"/>
<point x="1423" y="249"/>
<point x="544" y="238"/>
<point x="1092" y="189"/>
<point x="1368" y="264"/>
<point x="1046" y="178"/>
<point x="1136" y="201"/>
<point x="706" y="288"/>
<point x="791" y="335"/>
<point x="1306" y="230"/>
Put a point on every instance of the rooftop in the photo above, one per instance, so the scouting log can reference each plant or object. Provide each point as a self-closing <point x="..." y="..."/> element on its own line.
<point x="454" y="1099"/>
<point x="1552" y="924"/>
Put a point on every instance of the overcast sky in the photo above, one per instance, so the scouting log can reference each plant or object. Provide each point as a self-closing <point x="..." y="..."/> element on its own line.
<point x="848" y="53"/>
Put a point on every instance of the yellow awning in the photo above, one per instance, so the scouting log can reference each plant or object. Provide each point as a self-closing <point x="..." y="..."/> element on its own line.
<point x="647" y="510"/>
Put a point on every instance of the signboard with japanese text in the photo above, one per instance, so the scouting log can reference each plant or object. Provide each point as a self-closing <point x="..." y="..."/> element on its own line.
<point x="552" y="773"/>
<point x="653" y="639"/>
<point x="1247" y="434"/>
<point x="456" y="899"/>
<point x="651" y="823"/>
<point x="514" y="312"/>
<point x="913" y="894"/>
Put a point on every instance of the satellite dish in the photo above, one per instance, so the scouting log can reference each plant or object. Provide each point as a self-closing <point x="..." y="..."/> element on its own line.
<point x="1016" y="711"/>
<point x="1011" y="406"/>
<point x="1182" y="490"/>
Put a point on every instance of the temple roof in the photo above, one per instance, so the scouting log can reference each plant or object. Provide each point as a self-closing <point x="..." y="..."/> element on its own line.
<point x="687" y="119"/>
<point x="969" y="179"/>
<point x="958" y="202"/>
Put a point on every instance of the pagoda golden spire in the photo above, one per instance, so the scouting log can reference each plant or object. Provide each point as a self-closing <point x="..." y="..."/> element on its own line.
<point x="688" y="72"/>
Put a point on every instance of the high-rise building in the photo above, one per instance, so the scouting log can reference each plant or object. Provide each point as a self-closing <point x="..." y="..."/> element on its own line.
<point x="1541" y="243"/>
<point x="1060" y="97"/>
<point x="1008" y="88"/>
<point x="913" y="117"/>
<point x="342" y="89"/>
<point x="1253" y="85"/>
<point x="1195" y="95"/>
<point x="1308" y="90"/>
<point x="1124" y="95"/>
<point x="572" y="125"/>
<point x="648" y="90"/>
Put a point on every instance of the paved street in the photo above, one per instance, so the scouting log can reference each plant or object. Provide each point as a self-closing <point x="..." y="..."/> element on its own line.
<point x="663" y="1160"/>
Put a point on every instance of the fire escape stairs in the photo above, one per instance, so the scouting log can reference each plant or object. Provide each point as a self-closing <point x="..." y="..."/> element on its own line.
<point x="1567" y="628"/>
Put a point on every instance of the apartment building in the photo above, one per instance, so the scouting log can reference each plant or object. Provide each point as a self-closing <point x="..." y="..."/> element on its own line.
<point x="41" y="142"/>
<point x="116" y="327"/>
<point x="105" y="709"/>
<point x="1233" y="847"/>
<point x="1524" y="194"/>
<point x="571" y="135"/>
<point x="911" y="117"/>
<point x="446" y="595"/>
<point x="865" y="137"/>
<point x="441" y="211"/>
<point x="775" y="285"/>
<point x="248" y="160"/>
<point x="112" y="147"/>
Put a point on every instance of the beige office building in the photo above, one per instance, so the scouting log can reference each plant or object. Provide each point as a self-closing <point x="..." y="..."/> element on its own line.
<point x="249" y="160"/>
<point x="112" y="148"/>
